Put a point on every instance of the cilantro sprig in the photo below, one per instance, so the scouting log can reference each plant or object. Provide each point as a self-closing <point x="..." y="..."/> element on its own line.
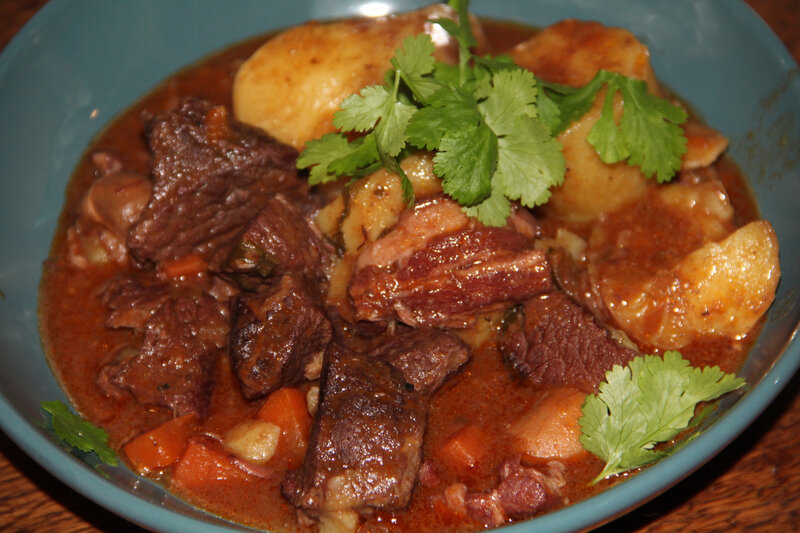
<point x="491" y="124"/>
<point x="649" y="133"/>
<point x="76" y="432"/>
<point x="649" y="401"/>
<point x="479" y="117"/>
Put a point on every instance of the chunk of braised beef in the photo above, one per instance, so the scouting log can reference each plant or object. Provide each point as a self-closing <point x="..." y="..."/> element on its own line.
<point x="365" y="446"/>
<point x="438" y="268"/>
<point x="278" y="336"/>
<point x="174" y="366"/>
<point x="572" y="277"/>
<point x="134" y="298"/>
<point x="521" y="493"/>
<point x="278" y="239"/>
<point x="210" y="177"/>
<point x="553" y="341"/>
<point x="426" y="357"/>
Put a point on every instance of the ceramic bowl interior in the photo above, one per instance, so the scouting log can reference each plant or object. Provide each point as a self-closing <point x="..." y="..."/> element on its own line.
<point x="77" y="64"/>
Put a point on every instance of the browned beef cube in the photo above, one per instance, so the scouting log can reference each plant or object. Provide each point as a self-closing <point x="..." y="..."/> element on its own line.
<point x="175" y="365"/>
<point x="426" y="357"/>
<point x="134" y="298"/>
<point x="277" y="337"/>
<point x="521" y="493"/>
<point x="278" y="239"/>
<point x="554" y="341"/>
<point x="365" y="446"/>
<point x="438" y="268"/>
<point x="210" y="177"/>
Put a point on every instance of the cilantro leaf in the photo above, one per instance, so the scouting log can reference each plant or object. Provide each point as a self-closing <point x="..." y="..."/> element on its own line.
<point x="466" y="161"/>
<point x="332" y="155"/>
<point x="648" y="134"/>
<point x="651" y="129"/>
<point x="530" y="161"/>
<point x="512" y="95"/>
<point x="493" y="211"/>
<point x="450" y="109"/>
<point x="491" y="125"/>
<point x="362" y="154"/>
<point x="390" y="132"/>
<point x="649" y="401"/>
<point x="78" y="433"/>
<point x="413" y="61"/>
<point x="360" y="112"/>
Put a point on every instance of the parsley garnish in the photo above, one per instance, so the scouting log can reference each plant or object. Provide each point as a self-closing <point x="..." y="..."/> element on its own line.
<point x="491" y="125"/>
<point x="78" y="433"/>
<point x="649" y="401"/>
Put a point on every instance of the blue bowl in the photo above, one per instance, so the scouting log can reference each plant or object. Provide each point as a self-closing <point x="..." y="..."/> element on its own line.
<point x="77" y="64"/>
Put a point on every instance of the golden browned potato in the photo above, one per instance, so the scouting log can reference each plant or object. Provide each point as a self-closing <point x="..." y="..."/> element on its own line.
<point x="571" y="52"/>
<point x="369" y="206"/>
<point x="292" y="85"/>
<point x="590" y="186"/>
<point x="672" y="269"/>
<point x="703" y="145"/>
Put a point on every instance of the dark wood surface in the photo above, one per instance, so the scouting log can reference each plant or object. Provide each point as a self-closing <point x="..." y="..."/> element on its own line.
<point x="753" y="485"/>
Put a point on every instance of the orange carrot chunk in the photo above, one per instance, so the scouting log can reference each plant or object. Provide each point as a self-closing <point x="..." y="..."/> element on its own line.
<point x="160" y="447"/>
<point x="185" y="266"/>
<point x="287" y="409"/>
<point x="465" y="448"/>
<point x="203" y="464"/>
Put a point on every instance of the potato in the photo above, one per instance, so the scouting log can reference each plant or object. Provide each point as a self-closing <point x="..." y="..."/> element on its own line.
<point x="253" y="440"/>
<point x="370" y="206"/>
<point x="590" y="186"/>
<point x="723" y="288"/>
<point x="571" y="52"/>
<point x="551" y="428"/>
<point x="673" y="267"/>
<point x="292" y="85"/>
<point x="329" y="217"/>
<point x="703" y="145"/>
<point x="338" y="522"/>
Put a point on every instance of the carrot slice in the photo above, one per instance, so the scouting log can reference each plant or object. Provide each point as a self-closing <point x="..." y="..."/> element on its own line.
<point x="185" y="266"/>
<point x="160" y="447"/>
<point x="203" y="464"/>
<point x="465" y="448"/>
<point x="287" y="409"/>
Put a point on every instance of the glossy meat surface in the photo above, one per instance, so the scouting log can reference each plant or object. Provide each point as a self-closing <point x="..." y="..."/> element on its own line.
<point x="428" y="274"/>
<point x="553" y="341"/>
<point x="174" y="366"/>
<point x="209" y="178"/>
<point x="278" y="336"/>
<point x="366" y="442"/>
<point x="277" y="240"/>
<point x="425" y="357"/>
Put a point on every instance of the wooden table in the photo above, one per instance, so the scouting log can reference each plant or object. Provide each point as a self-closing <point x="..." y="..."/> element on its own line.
<point x="754" y="484"/>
